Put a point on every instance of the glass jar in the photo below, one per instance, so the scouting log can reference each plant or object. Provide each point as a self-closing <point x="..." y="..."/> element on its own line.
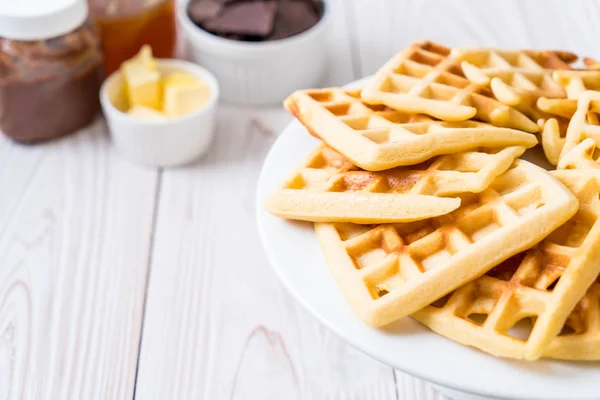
<point x="126" y="25"/>
<point x="50" y="69"/>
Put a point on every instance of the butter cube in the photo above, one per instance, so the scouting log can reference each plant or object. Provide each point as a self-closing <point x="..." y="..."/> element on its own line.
<point x="142" y="80"/>
<point x="183" y="93"/>
<point x="146" y="113"/>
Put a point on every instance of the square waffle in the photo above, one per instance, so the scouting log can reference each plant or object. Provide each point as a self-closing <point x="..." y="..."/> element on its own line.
<point x="423" y="78"/>
<point x="377" y="138"/>
<point x="543" y="284"/>
<point x="391" y="270"/>
<point x="518" y="78"/>
<point x="329" y="188"/>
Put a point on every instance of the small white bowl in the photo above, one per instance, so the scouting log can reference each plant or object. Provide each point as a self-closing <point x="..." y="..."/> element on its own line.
<point x="260" y="73"/>
<point x="163" y="143"/>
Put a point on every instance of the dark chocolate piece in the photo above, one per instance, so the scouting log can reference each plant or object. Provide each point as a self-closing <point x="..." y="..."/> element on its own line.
<point x="253" y="18"/>
<point x="204" y="10"/>
<point x="293" y="17"/>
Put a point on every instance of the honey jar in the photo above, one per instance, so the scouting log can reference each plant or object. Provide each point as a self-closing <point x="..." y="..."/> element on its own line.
<point x="126" y="25"/>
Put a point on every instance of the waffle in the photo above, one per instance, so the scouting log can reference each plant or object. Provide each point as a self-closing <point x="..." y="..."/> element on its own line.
<point x="391" y="270"/>
<point x="523" y="79"/>
<point x="582" y="156"/>
<point x="585" y="123"/>
<point x="424" y="79"/>
<point x="553" y="137"/>
<point x="518" y="78"/>
<point x="580" y="336"/>
<point x="543" y="284"/>
<point x="575" y="83"/>
<point x="581" y="124"/>
<point x="328" y="188"/>
<point x="377" y="138"/>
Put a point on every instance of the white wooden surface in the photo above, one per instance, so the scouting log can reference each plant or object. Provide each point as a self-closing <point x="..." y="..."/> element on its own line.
<point x="75" y="225"/>
<point x="118" y="281"/>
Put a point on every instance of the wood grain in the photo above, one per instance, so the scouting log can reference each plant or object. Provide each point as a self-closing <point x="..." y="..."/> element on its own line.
<point x="411" y="388"/>
<point x="218" y="323"/>
<point x="74" y="238"/>
<point x="76" y="226"/>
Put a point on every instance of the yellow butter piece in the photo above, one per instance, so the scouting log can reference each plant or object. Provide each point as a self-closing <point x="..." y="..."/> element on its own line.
<point x="183" y="93"/>
<point x="146" y="113"/>
<point x="142" y="80"/>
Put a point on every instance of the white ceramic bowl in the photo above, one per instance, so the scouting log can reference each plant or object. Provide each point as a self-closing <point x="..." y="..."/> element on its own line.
<point x="164" y="143"/>
<point x="259" y="73"/>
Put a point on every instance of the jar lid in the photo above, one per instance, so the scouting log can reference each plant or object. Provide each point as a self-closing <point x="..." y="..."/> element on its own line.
<point x="40" y="19"/>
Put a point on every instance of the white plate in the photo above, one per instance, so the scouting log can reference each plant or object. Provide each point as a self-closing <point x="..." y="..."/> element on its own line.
<point x="295" y="254"/>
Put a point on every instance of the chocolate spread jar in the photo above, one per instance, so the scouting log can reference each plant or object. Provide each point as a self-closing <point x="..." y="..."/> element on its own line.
<point x="50" y="71"/>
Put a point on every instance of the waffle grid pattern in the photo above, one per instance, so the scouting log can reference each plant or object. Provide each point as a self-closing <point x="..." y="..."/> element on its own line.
<point x="539" y="286"/>
<point x="389" y="259"/>
<point x="375" y="137"/>
<point x="437" y="124"/>
<point x="585" y="155"/>
<point x="517" y="77"/>
<point x="451" y="174"/>
<point x="585" y="122"/>
<point x="327" y="177"/>
<point x="580" y="337"/>
<point x="574" y="83"/>
<point x="425" y="79"/>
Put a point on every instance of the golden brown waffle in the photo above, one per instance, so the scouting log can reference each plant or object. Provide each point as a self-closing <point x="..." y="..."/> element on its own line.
<point x="517" y="77"/>
<point x="585" y="123"/>
<point x="377" y="138"/>
<point x="583" y="156"/>
<point x="424" y="79"/>
<point x="554" y="132"/>
<point x="391" y="270"/>
<point x="575" y="83"/>
<point x="543" y="284"/>
<point x="328" y="188"/>
<point x="580" y="337"/>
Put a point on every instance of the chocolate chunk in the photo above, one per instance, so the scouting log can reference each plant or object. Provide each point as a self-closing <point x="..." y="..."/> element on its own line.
<point x="316" y="4"/>
<point x="294" y="17"/>
<point x="253" y="18"/>
<point x="204" y="10"/>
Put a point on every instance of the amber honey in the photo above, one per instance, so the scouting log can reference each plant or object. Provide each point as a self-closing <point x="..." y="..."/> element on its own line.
<point x="126" y="25"/>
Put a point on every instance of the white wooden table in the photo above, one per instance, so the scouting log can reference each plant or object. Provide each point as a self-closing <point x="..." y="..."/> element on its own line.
<point x="118" y="281"/>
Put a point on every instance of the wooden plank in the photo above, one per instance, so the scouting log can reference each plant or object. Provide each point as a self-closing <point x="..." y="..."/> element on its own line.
<point x="218" y="323"/>
<point x="75" y="223"/>
<point x="411" y="388"/>
<point x="386" y="26"/>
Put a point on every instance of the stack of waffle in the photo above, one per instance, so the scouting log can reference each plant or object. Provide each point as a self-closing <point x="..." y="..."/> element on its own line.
<point x="423" y="207"/>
